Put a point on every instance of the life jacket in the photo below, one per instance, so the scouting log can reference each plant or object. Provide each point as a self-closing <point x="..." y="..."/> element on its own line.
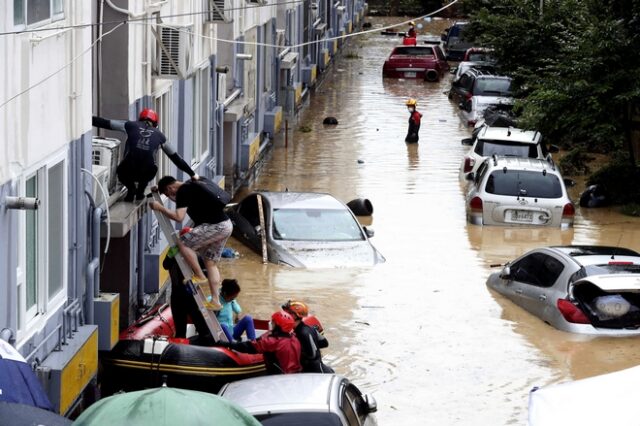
<point x="285" y="350"/>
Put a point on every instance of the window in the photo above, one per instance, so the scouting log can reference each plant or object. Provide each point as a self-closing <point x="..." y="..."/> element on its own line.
<point x="201" y="96"/>
<point x="37" y="12"/>
<point x="524" y="184"/>
<point x="162" y="105"/>
<point x="537" y="269"/>
<point x="42" y="254"/>
<point x="488" y="148"/>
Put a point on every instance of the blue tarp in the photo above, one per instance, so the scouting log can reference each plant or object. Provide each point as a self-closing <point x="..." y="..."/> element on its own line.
<point x="18" y="383"/>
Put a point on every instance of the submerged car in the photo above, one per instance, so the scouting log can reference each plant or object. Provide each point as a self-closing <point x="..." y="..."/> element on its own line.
<point x="518" y="191"/>
<point x="578" y="289"/>
<point x="302" y="399"/>
<point x="425" y="62"/>
<point x="455" y="43"/>
<point x="303" y="229"/>
<point x="507" y="141"/>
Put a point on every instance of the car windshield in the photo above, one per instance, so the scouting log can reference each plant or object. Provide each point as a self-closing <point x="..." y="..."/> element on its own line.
<point x="413" y="51"/>
<point x="295" y="419"/>
<point x="487" y="148"/>
<point x="524" y="183"/>
<point x="492" y="87"/>
<point x="315" y="225"/>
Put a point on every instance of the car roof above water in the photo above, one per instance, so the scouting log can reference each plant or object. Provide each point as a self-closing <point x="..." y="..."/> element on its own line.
<point x="521" y="163"/>
<point x="281" y="393"/>
<point x="510" y="134"/>
<point x="302" y="200"/>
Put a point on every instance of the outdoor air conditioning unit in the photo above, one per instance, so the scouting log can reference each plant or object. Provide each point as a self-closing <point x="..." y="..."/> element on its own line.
<point x="102" y="175"/>
<point x="173" y="58"/>
<point x="341" y="9"/>
<point x="217" y="11"/>
<point x="289" y="61"/>
<point x="221" y="89"/>
<point x="105" y="152"/>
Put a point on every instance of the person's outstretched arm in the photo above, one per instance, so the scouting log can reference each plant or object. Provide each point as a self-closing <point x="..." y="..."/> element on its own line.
<point x="177" y="160"/>
<point x="105" y="123"/>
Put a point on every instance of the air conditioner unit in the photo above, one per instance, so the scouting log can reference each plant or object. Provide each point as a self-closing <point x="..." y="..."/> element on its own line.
<point x="217" y="11"/>
<point x="173" y="58"/>
<point x="106" y="152"/>
<point x="221" y="89"/>
<point x="102" y="175"/>
<point x="289" y="61"/>
<point x="341" y="9"/>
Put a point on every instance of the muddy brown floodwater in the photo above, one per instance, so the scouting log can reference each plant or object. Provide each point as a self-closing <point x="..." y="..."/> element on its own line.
<point x="421" y="332"/>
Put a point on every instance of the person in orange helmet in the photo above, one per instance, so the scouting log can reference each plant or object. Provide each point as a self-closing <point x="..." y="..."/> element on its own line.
<point x="414" y="121"/>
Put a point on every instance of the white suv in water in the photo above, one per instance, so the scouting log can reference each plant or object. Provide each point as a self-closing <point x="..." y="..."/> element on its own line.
<point x="507" y="141"/>
<point x="518" y="191"/>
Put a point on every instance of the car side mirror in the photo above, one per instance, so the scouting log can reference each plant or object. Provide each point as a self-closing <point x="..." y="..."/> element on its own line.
<point x="368" y="231"/>
<point x="505" y="274"/>
<point x="372" y="405"/>
<point x="470" y="176"/>
<point x="569" y="182"/>
<point x="554" y="149"/>
<point x="467" y="141"/>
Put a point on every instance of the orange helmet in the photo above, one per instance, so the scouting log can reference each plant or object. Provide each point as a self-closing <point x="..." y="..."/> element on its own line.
<point x="284" y="320"/>
<point x="149" y="115"/>
<point x="298" y="309"/>
<point x="185" y="230"/>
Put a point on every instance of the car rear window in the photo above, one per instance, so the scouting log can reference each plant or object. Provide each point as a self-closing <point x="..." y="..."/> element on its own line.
<point x="413" y="51"/>
<point x="296" y="419"/>
<point x="492" y="87"/>
<point x="487" y="148"/>
<point x="589" y="270"/>
<point x="524" y="183"/>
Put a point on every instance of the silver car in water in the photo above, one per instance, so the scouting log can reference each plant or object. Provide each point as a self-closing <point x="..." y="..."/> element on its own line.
<point x="579" y="289"/>
<point x="303" y="399"/>
<point x="303" y="229"/>
<point x="518" y="191"/>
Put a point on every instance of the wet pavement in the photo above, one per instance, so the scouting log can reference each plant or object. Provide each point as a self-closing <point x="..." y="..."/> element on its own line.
<point x="421" y="332"/>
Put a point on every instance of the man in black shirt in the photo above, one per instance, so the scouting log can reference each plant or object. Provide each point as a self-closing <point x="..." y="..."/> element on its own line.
<point x="204" y="202"/>
<point x="143" y="140"/>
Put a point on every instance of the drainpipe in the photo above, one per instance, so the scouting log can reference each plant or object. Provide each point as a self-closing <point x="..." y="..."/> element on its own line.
<point x="93" y="275"/>
<point x="140" y="275"/>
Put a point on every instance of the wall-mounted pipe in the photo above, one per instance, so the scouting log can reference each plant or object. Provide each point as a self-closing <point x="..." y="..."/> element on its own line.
<point x="231" y="97"/>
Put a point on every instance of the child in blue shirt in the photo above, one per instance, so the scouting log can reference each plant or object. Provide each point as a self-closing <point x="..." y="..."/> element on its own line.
<point x="228" y="293"/>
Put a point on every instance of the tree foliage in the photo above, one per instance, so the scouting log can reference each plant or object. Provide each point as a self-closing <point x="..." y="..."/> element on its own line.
<point x="574" y="63"/>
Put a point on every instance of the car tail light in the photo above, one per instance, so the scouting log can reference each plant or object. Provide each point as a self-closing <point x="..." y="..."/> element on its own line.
<point x="568" y="211"/>
<point x="476" y="204"/>
<point x="468" y="96"/>
<point x="471" y="123"/>
<point x="620" y="262"/>
<point x="571" y="312"/>
<point x="468" y="164"/>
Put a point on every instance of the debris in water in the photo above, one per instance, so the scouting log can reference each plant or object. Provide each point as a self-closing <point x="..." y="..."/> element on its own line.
<point x="362" y="322"/>
<point x="330" y="120"/>
<point x="360" y="161"/>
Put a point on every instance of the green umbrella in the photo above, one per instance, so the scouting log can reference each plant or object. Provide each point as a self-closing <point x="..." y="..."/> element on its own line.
<point x="166" y="406"/>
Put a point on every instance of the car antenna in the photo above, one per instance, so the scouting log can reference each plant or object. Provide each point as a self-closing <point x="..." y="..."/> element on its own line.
<point x="613" y="255"/>
<point x="509" y="131"/>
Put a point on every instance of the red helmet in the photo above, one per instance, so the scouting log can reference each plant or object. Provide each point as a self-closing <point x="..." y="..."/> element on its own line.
<point x="284" y="320"/>
<point x="298" y="309"/>
<point x="149" y="114"/>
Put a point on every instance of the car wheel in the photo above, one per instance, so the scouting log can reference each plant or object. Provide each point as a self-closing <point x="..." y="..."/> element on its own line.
<point x="431" y="75"/>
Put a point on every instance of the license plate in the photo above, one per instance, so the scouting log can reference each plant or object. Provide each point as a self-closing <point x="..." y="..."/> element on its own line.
<point x="410" y="74"/>
<point x="521" y="216"/>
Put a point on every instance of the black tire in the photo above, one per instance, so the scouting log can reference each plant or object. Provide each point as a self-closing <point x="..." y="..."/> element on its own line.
<point x="361" y="207"/>
<point x="431" y="76"/>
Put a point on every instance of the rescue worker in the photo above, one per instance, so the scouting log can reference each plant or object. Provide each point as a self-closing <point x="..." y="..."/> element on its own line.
<point x="280" y="347"/>
<point x="311" y="341"/>
<point x="138" y="166"/>
<point x="411" y="33"/>
<point x="414" y="121"/>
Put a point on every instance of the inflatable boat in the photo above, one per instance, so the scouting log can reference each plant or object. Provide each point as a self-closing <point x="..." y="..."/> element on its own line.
<point x="148" y="354"/>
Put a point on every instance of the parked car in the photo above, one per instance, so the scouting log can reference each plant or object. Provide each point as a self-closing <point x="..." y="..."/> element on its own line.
<point x="455" y="44"/>
<point x="303" y="399"/>
<point x="480" y="54"/>
<point x="518" y="191"/>
<point x="303" y="229"/>
<point x="476" y="90"/>
<point x="467" y="65"/>
<point x="425" y="62"/>
<point x="579" y="289"/>
<point x="507" y="141"/>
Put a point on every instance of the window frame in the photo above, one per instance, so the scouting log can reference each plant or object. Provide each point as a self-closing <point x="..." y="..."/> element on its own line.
<point x="201" y="115"/>
<point x="33" y="318"/>
<point x="162" y="105"/>
<point x="53" y="15"/>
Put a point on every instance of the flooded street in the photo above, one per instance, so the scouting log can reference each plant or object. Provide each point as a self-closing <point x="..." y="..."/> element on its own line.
<point x="421" y="332"/>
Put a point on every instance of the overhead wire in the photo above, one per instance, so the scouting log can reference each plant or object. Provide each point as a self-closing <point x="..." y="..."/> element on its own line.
<point x="134" y="21"/>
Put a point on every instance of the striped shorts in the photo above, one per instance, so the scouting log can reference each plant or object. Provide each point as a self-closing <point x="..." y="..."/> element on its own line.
<point x="208" y="239"/>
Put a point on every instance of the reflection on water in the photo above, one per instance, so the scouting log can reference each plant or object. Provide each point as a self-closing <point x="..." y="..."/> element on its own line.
<point x="421" y="331"/>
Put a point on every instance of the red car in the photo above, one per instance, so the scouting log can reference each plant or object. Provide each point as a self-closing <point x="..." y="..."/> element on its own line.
<point x="427" y="62"/>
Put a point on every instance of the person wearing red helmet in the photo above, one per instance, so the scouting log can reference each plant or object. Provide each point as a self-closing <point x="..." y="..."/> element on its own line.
<point x="311" y="341"/>
<point x="138" y="166"/>
<point x="280" y="347"/>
